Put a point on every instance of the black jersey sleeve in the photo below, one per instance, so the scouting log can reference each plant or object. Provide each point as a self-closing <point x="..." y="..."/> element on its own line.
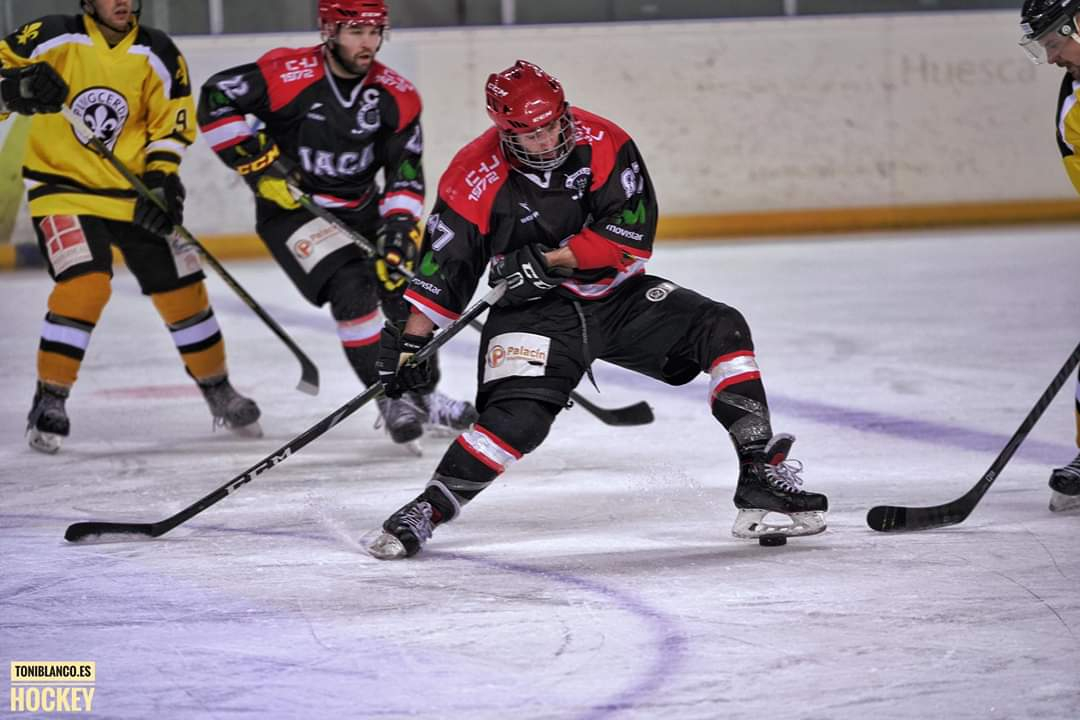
<point x="625" y="212"/>
<point x="404" y="172"/>
<point x="224" y="101"/>
<point x="454" y="257"/>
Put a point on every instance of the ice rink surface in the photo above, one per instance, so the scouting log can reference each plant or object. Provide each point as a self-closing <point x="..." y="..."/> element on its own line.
<point x="598" y="578"/>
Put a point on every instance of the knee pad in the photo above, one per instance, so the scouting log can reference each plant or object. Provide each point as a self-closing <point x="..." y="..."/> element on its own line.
<point x="351" y="292"/>
<point x="724" y="330"/>
<point x="520" y="423"/>
<point x="81" y="298"/>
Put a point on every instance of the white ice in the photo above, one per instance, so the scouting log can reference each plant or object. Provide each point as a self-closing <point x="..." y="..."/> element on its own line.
<point x="597" y="578"/>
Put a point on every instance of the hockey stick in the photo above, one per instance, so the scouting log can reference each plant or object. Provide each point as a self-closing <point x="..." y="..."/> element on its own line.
<point x="81" y="531"/>
<point x="637" y="414"/>
<point x="891" y="518"/>
<point x="309" y="374"/>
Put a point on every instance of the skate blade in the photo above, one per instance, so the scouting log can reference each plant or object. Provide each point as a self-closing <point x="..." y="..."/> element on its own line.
<point x="251" y="430"/>
<point x="45" y="442"/>
<point x="386" y="547"/>
<point x="413" y="447"/>
<point x="750" y="524"/>
<point x="1060" y="502"/>
<point x="441" y="431"/>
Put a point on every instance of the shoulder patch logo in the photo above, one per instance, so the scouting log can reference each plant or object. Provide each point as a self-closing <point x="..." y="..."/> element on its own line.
<point x="105" y="111"/>
<point x="182" y="72"/>
<point x="28" y="33"/>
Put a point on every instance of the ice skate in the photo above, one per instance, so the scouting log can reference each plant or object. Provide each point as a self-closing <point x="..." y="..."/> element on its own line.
<point x="773" y="485"/>
<point x="48" y="424"/>
<point x="1065" y="487"/>
<point x="403" y="418"/>
<point x="231" y="409"/>
<point x="446" y="417"/>
<point x="406" y="531"/>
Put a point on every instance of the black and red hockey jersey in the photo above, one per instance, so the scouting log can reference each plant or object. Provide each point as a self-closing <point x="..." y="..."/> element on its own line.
<point x="339" y="137"/>
<point x="600" y="202"/>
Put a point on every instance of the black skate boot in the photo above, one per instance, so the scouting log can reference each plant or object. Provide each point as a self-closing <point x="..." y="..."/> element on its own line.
<point x="406" y="531"/>
<point x="1065" y="487"/>
<point x="445" y="416"/>
<point x="231" y="409"/>
<point x="48" y="424"/>
<point x="771" y="484"/>
<point x="403" y="418"/>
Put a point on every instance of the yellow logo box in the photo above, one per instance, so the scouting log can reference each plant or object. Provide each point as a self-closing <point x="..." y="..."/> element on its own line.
<point x="35" y="672"/>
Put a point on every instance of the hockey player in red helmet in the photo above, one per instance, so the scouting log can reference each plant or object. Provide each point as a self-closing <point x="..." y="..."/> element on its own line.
<point x="1051" y="35"/>
<point x="351" y="127"/>
<point x="556" y="202"/>
<point x="529" y="108"/>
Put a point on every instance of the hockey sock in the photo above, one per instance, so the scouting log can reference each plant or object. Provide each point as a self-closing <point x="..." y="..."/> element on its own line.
<point x="75" y="307"/>
<point x="194" y="329"/>
<point x="507" y="430"/>
<point x="737" y="400"/>
<point x="360" y="340"/>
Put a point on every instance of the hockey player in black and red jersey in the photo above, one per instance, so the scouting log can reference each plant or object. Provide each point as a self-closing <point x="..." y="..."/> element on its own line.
<point x="130" y="83"/>
<point x="557" y="201"/>
<point x="334" y="116"/>
<point x="1051" y="35"/>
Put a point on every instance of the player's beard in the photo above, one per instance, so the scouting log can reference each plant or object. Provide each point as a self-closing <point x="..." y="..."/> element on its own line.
<point x="355" y="65"/>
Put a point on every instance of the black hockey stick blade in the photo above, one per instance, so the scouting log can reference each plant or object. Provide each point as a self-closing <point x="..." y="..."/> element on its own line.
<point x="895" y="518"/>
<point x="309" y="374"/>
<point x="109" y="531"/>
<point x="640" y="413"/>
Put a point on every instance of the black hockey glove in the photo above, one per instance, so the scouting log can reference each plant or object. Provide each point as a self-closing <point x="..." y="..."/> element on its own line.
<point x="526" y="272"/>
<point x="396" y="371"/>
<point x="398" y="244"/>
<point x="267" y="171"/>
<point x="32" y="89"/>
<point x="169" y="191"/>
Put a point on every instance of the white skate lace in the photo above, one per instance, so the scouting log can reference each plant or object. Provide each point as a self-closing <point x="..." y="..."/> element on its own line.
<point x="444" y="410"/>
<point x="785" y="475"/>
<point x="380" y="420"/>
<point x="418" y="519"/>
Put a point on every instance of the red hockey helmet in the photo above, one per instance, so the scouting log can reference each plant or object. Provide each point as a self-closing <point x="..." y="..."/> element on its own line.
<point x="526" y="104"/>
<point x="333" y="13"/>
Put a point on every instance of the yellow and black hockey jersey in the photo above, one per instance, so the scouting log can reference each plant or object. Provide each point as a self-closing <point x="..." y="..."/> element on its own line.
<point x="136" y="97"/>
<point x="1068" y="127"/>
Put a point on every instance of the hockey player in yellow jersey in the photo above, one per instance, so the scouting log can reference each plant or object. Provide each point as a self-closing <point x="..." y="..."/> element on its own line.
<point x="1051" y="35"/>
<point x="130" y="85"/>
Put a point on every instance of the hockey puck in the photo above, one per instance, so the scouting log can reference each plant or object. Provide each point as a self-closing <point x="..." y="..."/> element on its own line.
<point x="773" y="540"/>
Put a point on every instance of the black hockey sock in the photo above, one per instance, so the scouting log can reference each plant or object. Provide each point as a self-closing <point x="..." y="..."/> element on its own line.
<point x="362" y="359"/>
<point x="743" y="410"/>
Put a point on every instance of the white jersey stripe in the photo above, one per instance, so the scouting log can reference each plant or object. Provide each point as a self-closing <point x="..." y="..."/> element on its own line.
<point x="401" y="201"/>
<point x="227" y="134"/>
<point x="157" y="65"/>
<point x="76" y="38"/>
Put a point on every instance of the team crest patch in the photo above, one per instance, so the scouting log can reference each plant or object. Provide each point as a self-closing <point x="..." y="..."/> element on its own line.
<point x="104" y="111"/>
<point x="660" y="292"/>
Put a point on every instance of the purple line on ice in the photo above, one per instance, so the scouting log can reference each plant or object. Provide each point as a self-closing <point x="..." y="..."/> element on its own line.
<point x="670" y="642"/>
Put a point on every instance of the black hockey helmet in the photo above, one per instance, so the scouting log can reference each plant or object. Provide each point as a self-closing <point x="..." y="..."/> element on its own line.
<point x="1047" y="23"/>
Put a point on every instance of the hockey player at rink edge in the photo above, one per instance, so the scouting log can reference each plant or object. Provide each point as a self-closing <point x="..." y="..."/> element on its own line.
<point x="558" y="202"/>
<point x="130" y="83"/>
<point x="1050" y="35"/>
<point x="333" y="116"/>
